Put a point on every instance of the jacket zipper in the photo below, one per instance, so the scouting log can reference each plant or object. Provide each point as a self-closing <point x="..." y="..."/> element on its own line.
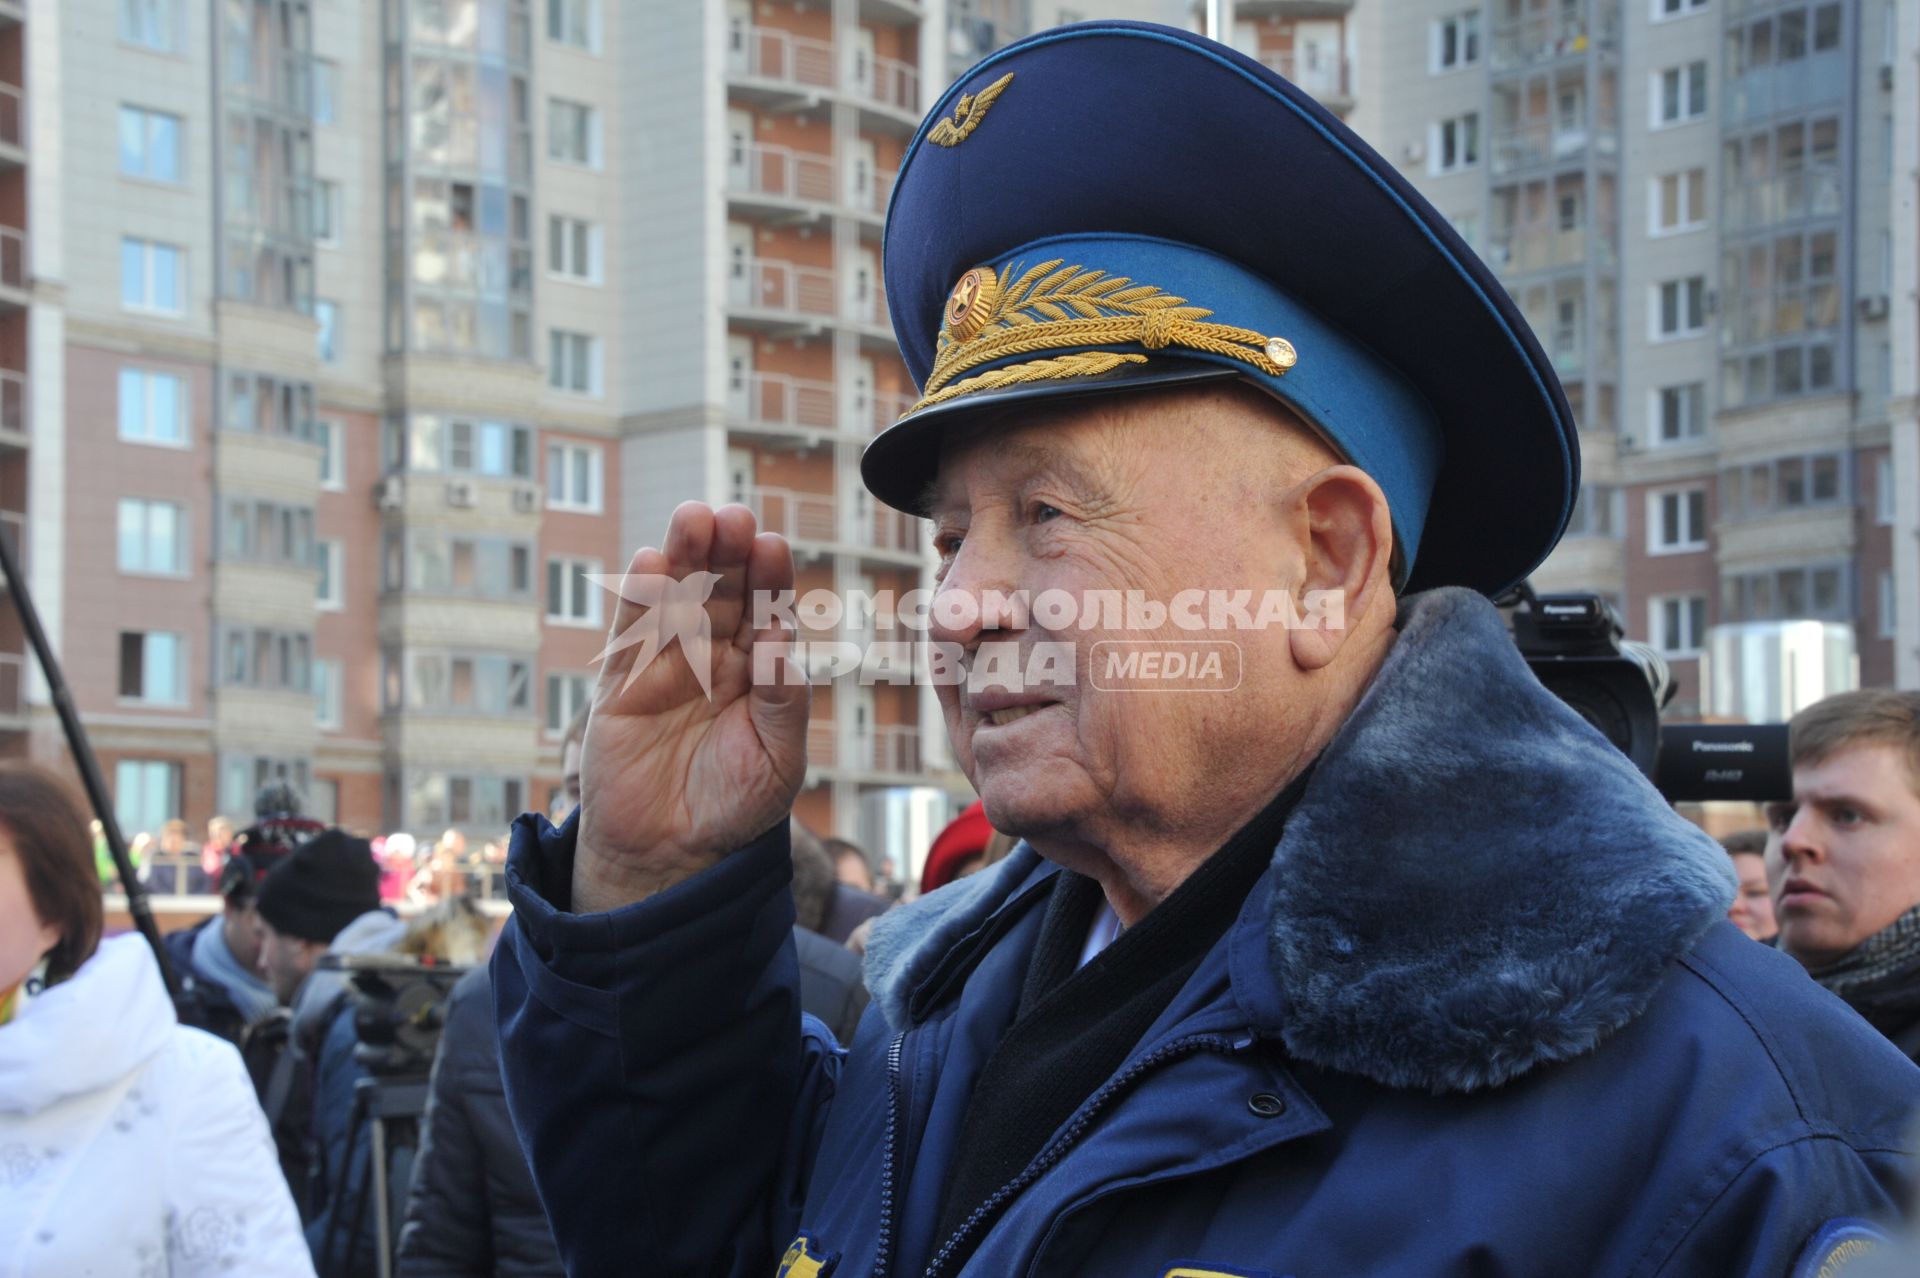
<point x="1068" y="1136"/>
<point x="883" y="1248"/>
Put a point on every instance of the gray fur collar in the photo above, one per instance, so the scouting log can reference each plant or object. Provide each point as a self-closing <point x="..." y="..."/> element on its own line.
<point x="1474" y="883"/>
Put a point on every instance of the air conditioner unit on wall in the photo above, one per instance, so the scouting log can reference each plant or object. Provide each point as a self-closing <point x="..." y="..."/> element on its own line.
<point x="1872" y="307"/>
<point x="390" y="493"/>
<point x="460" y="493"/>
<point x="526" y="501"/>
<point x="1413" y="153"/>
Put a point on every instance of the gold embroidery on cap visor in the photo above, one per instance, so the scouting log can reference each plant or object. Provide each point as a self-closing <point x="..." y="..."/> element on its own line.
<point x="1054" y="308"/>
<point x="967" y="114"/>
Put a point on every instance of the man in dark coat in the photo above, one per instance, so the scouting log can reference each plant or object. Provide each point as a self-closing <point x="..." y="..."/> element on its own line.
<point x="1335" y="945"/>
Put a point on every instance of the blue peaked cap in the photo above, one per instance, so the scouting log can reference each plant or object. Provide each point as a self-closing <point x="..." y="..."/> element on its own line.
<point x="1118" y="205"/>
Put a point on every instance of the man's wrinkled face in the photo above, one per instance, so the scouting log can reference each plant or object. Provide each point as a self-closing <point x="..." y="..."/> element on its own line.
<point x="1752" y="909"/>
<point x="285" y="961"/>
<point x="1843" y="858"/>
<point x="1150" y="493"/>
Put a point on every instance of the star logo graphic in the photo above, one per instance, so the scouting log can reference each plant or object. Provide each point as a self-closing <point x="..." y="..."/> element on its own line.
<point x="672" y="610"/>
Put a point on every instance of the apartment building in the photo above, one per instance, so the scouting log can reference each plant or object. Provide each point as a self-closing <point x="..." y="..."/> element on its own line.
<point x="1693" y="203"/>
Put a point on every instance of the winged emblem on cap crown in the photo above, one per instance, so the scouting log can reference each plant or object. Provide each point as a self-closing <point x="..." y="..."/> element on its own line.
<point x="967" y="114"/>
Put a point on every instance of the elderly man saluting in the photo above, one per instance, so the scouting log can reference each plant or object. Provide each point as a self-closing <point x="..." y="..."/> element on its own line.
<point x="1376" y="961"/>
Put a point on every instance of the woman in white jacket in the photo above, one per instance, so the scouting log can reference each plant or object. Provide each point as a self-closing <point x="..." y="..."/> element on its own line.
<point x="129" y="1144"/>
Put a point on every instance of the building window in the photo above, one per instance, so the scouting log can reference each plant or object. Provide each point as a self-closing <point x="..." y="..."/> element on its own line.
<point x="327" y="337"/>
<point x="574" y="22"/>
<point x="496" y="450"/>
<point x="153" y="537"/>
<point x="472" y="567"/>
<point x="146" y="794"/>
<point x="566" y="693"/>
<point x="329" y="590"/>
<point x="1680" y="413"/>
<point x="1677" y="624"/>
<point x="1676" y="521"/>
<point x="326" y="693"/>
<point x="573" y="248"/>
<point x="153" y="407"/>
<point x="437" y="799"/>
<point x="151" y="277"/>
<point x="1456" y="41"/>
<point x="266" y="532"/>
<point x="1456" y="143"/>
<point x="1680" y="307"/>
<point x="1883" y="496"/>
<point x="1781" y="318"/>
<point x="1663" y="9"/>
<point x="269" y="660"/>
<point x="152" y="670"/>
<point x="573" y="132"/>
<point x="573" y="477"/>
<point x="1680" y="201"/>
<point x="149" y="144"/>
<point x="1598" y="511"/>
<point x="242" y="776"/>
<point x="332" y="437"/>
<point x="468" y="683"/>
<point x="1680" y="94"/>
<point x="573" y="362"/>
<point x="1889" y="606"/>
<point x="1797" y="482"/>
<point x="151" y="24"/>
<point x="572" y="598"/>
<point x="326" y="211"/>
<point x="326" y="90"/>
<point x="1817" y="591"/>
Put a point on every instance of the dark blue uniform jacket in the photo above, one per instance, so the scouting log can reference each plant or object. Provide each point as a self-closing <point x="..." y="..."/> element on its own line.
<point x="1482" y="1016"/>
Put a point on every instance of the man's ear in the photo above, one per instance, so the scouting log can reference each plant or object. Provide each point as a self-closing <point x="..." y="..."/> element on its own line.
<point x="1346" y="543"/>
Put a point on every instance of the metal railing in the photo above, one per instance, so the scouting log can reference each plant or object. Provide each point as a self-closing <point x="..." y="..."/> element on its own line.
<point x="896" y="750"/>
<point x="1785" y="197"/>
<point x="782" y="286"/>
<point x="1542" y="142"/>
<point x="893" y="84"/>
<point x="13" y="257"/>
<point x="892" y="530"/>
<point x="1538" y="249"/>
<point x="1544" y="37"/>
<point x="774" y="399"/>
<point x="783" y="172"/>
<point x="13" y="403"/>
<point x="823" y="745"/>
<point x="794" y="515"/>
<point x="768" y="54"/>
<point x="12" y="115"/>
<point x="888" y="409"/>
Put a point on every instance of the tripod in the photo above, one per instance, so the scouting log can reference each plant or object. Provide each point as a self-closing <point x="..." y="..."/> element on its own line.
<point x="389" y="1110"/>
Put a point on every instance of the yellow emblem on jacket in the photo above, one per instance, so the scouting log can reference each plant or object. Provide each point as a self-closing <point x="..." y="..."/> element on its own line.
<point x="967" y="114"/>
<point x="806" y="1258"/>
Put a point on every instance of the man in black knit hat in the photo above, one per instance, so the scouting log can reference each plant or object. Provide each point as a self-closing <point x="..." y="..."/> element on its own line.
<point x="307" y="900"/>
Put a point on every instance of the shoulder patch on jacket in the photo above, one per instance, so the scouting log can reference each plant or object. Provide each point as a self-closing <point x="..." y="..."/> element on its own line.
<point x="1836" y="1245"/>
<point x="1201" y="1269"/>
<point x="806" y="1258"/>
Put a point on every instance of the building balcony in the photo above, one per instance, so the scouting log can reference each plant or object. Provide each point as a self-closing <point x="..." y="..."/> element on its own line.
<point x="1328" y="79"/>
<point x="1248" y="9"/>
<point x="774" y="179"/>
<point x="772" y="404"/>
<point x="890" y="88"/>
<point x="1525" y="251"/>
<point x="882" y="754"/>
<point x="891" y="13"/>
<point x="782" y="297"/>
<point x="784" y="72"/>
<point x="13" y="129"/>
<point x="812" y="521"/>
<point x="1542" y="39"/>
<point x="888" y="409"/>
<point x="1765" y="203"/>
<point x="1542" y="145"/>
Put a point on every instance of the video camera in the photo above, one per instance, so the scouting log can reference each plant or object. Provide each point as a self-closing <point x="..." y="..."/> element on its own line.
<point x="1575" y="645"/>
<point x="399" y="1008"/>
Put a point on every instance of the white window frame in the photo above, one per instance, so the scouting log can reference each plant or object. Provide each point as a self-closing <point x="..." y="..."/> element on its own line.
<point x="1694" y="417"/>
<point x="579" y="24"/>
<point x="1659" y="11"/>
<point x="1657" y="634"/>
<point x="165" y="25"/>
<point x="574" y="569"/>
<point x="1437" y="131"/>
<point x="330" y="562"/>
<point x="567" y="350"/>
<point x="560" y="463"/>
<point x="150" y="380"/>
<point x="1682" y="286"/>
<point x="327" y="209"/>
<point x="149" y="256"/>
<point x="592" y="140"/>
<point x="1683" y="77"/>
<point x="1656" y="526"/>
<point x="141" y="508"/>
<point x="326" y="91"/>
<point x="145" y="118"/>
<point x="180" y="664"/>
<point x="1466" y="42"/>
<point x="1692" y="219"/>
<point x="139" y="775"/>
<point x="580" y="691"/>
<point x="567" y="226"/>
<point x="326" y="674"/>
<point x="1887" y="624"/>
<point x="330" y="434"/>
